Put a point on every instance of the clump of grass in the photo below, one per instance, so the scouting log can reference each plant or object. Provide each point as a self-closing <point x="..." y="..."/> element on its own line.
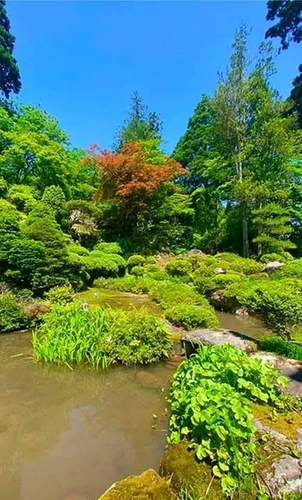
<point x="98" y="336"/>
<point x="281" y="347"/>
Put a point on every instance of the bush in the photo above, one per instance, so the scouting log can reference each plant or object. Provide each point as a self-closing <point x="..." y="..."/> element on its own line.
<point x="208" y="285"/>
<point x="276" y="257"/>
<point x="136" y="260"/>
<point x="104" y="264"/>
<point x="12" y="316"/>
<point x="153" y="268"/>
<point x="158" y="276"/>
<point x="191" y="317"/>
<point x="281" y="347"/>
<point x="150" y="260"/>
<point x="105" y="247"/>
<point x="277" y="302"/>
<point x="71" y="335"/>
<point x="246" y="266"/>
<point x="77" y="249"/>
<point x="292" y="269"/>
<point x="138" y="270"/>
<point x="60" y="294"/>
<point x="168" y="294"/>
<point x="178" y="267"/>
<point x="210" y="408"/>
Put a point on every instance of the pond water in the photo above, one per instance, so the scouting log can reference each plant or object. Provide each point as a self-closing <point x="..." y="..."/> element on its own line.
<point x="69" y="434"/>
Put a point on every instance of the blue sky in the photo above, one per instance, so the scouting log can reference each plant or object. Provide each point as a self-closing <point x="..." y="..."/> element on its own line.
<point x="81" y="61"/>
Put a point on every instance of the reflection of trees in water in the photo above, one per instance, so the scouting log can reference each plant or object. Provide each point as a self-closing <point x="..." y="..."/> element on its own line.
<point x="41" y="407"/>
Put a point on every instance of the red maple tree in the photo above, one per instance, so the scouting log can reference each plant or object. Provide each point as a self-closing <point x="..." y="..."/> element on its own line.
<point x="129" y="177"/>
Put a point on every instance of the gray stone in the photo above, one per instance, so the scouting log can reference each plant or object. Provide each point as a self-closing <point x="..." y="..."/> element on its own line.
<point x="242" y="312"/>
<point x="191" y="341"/>
<point x="219" y="270"/>
<point x="196" y="251"/>
<point x="272" y="267"/>
<point x="283" y="472"/>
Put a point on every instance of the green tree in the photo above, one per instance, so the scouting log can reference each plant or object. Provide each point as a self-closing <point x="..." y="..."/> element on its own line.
<point x="9" y="71"/>
<point x="140" y="125"/>
<point x="54" y="198"/>
<point x="288" y="27"/>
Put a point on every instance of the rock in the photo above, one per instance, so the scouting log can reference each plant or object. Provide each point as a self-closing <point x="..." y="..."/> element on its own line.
<point x="184" y="473"/>
<point x="222" y="303"/>
<point x="196" y="251"/>
<point x="272" y="267"/>
<point x="283" y="473"/>
<point x="191" y="341"/>
<point x="148" y="486"/>
<point x="219" y="270"/>
<point x="242" y="312"/>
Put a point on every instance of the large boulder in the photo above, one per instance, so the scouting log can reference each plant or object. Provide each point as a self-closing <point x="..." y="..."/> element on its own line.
<point x="222" y="303"/>
<point x="196" y="251"/>
<point x="191" y="341"/>
<point x="186" y="474"/>
<point x="148" y="486"/>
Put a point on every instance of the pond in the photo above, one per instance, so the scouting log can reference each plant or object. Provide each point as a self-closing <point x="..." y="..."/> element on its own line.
<point x="69" y="434"/>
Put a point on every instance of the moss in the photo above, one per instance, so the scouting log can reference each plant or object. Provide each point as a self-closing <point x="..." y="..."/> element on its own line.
<point x="147" y="486"/>
<point x="284" y="424"/>
<point x="185" y="473"/>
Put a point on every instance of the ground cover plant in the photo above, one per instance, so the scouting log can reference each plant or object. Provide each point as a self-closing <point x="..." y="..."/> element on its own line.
<point x="210" y="403"/>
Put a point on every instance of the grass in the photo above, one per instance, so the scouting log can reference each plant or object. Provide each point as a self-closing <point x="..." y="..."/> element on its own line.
<point x="280" y="346"/>
<point x="98" y="336"/>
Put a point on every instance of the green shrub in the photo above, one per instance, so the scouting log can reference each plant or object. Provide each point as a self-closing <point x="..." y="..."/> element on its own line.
<point x="178" y="267"/>
<point x="136" y="260"/>
<point x="77" y="249"/>
<point x="153" y="268"/>
<point x="227" y="257"/>
<point x="137" y="270"/>
<point x="207" y="285"/>
<point x="276" y="257"/>
<point x="168" y="294"/>
<point x="105" y="247"/>
<point x="60" y="294"/>
<point x="210" y="408"/>
<point x="192" y="317"/>
<point x="150" y="260"/>
<point x="281" y="347"/>
<point x="277" y="302"/>
<point x="12" y="316"/>
<point x="246" y="266"/>
<point x="71" y="335"/>
<point x="158" y="275"/>
<point x="104" y="264"/>
<point x="291" y="269"/>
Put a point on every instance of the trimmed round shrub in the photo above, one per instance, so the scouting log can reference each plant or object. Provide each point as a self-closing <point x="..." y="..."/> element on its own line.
<point x="178" y="267"/>
<point x="191" y="316"/>
<point x="60" y="294"/>
<point x="104" y="264"/>
<point x="150" y="260"/>
<point x="292" y="269"/>
<point x="276" y="257"/>
<point x="136" y="260"/>
<point x="152" y="268"/>
<point x="158" y="276"/>
<point x="196" y="260"/>
<point x="105" y="247"/>
<point x="138" y="270"/>
<point x="207" y="285"/>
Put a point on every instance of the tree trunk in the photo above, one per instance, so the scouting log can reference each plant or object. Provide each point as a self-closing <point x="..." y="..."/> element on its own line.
<point x="245" y="233"/>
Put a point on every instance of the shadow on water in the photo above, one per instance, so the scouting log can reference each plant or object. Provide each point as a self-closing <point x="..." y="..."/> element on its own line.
<point x="70" y="434"/>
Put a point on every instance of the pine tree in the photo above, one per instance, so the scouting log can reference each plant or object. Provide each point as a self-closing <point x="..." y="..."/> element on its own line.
<point x="9" y="71"/>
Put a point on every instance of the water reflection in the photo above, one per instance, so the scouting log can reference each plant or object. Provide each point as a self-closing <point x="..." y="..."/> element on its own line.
<point x="70" y="434"/>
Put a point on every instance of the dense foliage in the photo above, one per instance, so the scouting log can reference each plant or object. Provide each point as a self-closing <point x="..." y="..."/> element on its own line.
<point x="210" y="402"/>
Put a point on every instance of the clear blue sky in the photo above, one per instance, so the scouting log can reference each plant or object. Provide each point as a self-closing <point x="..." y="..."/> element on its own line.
<point x="81" y="61"/>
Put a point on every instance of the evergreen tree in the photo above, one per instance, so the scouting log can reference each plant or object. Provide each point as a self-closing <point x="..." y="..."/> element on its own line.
<point x="9" y="71"/>
<point x="140" y="125"/>
<point x="289" y="24"/>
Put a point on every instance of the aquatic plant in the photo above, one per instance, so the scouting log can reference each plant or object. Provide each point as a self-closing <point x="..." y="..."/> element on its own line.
<point x="100" y="336"/>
